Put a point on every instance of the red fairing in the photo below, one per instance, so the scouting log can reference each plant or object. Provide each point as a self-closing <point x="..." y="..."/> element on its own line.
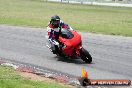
<point x="72" y="45"/>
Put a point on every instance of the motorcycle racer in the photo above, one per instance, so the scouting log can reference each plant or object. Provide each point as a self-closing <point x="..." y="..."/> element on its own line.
<point x="54" y="30"/>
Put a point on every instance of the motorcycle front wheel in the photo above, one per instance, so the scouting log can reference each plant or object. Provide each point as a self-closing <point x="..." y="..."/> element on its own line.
<point x="85" y="56"/>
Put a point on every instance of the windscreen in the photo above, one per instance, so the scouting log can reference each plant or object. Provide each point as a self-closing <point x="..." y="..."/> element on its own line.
<point x="66" y="33"/>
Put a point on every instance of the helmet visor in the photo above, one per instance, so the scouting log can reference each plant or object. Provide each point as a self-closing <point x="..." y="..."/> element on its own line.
<point x="56" y="23"/>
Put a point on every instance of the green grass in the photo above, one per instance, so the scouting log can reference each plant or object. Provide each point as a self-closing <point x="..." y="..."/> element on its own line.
<point x="9" y="78"/>
<point x="88" y="18"/>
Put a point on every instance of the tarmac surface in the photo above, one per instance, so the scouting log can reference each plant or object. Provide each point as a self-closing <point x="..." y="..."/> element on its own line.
<point x="112" y="55"/>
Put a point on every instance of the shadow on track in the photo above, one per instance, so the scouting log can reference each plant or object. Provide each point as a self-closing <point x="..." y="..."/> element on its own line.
<point x="70" y="60"/>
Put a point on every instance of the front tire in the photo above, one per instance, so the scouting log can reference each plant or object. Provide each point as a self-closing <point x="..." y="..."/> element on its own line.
<point x="85" y="56"/>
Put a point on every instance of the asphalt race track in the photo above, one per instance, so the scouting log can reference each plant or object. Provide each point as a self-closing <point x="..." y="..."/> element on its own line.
<point x="112" y="55"/>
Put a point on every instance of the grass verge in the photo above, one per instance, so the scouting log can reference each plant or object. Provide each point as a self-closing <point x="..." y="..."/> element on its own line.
<point x="9" y="78"/>
<point x="88" y="18"/>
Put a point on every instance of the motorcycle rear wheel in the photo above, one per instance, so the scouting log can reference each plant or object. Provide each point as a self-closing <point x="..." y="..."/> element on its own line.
<point x="85" y="56"/>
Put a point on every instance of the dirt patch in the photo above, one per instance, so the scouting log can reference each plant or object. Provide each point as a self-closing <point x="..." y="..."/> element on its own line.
<point x="39" y="78"/>
<point x="33" y="76"/>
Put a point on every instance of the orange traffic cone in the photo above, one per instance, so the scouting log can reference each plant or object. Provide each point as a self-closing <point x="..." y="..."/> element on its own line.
<point x="84" y="73"/>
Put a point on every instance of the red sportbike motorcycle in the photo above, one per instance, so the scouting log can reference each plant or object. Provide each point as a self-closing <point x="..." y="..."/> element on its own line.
<point x="70" y="45"/>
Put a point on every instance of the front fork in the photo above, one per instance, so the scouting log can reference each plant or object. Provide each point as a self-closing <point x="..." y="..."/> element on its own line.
<point x="78" y="50"/>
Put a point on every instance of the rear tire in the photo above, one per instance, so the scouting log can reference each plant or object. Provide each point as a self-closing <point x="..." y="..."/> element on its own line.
<point x="85" y="56"/>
